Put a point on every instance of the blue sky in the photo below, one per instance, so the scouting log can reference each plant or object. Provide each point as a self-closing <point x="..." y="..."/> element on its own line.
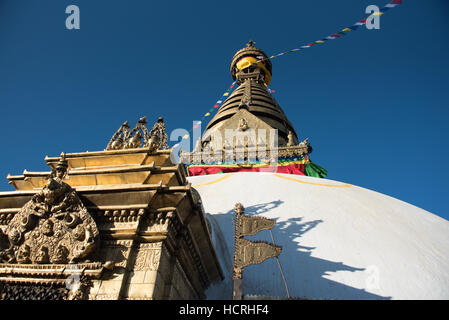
<point x="374" y="104"/>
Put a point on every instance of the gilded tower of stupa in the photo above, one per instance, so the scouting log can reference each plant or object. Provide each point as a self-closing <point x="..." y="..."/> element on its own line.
<point x="250" y="131"/>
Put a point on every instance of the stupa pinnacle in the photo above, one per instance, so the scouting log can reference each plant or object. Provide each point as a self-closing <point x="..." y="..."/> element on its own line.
<point x="251" y="101"/>
<point x="250" y="127"/>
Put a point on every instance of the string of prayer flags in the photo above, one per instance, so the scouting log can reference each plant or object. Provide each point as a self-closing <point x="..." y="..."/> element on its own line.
<point x="354" y="27"/>
<point x="211" y="110"/>
<point x="337" y="35"/>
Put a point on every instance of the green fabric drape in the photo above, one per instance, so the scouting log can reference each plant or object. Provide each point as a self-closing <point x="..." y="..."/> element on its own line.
<point x="313" y="170"/>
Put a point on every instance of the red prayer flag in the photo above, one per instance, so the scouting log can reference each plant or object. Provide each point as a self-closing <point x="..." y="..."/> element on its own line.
<point x="216" y="106"/>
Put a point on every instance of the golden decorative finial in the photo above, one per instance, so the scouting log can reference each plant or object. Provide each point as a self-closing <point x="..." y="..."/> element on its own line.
<point x="239" y="208"/>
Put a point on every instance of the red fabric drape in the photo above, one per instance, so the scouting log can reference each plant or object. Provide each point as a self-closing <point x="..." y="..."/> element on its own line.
<point x="202" y="170"/>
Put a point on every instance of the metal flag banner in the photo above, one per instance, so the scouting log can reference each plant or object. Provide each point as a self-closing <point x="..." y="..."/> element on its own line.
<point x="249" y="252"/>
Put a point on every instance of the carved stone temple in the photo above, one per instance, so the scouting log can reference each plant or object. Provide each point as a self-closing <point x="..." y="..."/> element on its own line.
<point x="123" y="223"/>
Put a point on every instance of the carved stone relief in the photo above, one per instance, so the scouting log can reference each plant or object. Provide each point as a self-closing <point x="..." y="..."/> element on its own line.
<point x="148" y="257"/>
<point x="53" y="227"/>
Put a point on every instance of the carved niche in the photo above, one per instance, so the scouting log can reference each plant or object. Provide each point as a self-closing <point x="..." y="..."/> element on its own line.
<point x="54" y="227"/>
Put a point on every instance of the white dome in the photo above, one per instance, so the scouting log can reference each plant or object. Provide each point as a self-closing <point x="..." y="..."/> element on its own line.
<point x="339" y="241"/>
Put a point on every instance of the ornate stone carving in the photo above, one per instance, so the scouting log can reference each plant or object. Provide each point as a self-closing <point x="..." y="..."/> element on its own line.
<point x="147" y="258"/>
<point x="54" y="289"/>
<point x="53" y="227"/>
<point x="80" y="289"/>
<point x="21" y="291"/>
<point x="116" y="251"/>
<point x="156" y="139"/>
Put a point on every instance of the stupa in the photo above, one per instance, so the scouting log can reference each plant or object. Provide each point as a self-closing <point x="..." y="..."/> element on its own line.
<point x="339" y="241"/>
<point x="129" y="223"/>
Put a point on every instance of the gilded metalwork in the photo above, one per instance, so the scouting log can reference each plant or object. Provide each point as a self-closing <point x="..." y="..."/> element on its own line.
<point x="140" y="136"/>
<point x="149" y="218"/>
<point x="248" y="252"/>
<point x="291" y="139"/>
<point x="53" y="227"/>
<point x="243" y="124"/>
<point x="120" y="137"/>
<point x="246" y="98"/>
<point x="159" y="131"/>
<point x="249" y="50"/>
<point x="209" y="156"/>
<point x="248" y="226"/>
<point x="253" y="102"/>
